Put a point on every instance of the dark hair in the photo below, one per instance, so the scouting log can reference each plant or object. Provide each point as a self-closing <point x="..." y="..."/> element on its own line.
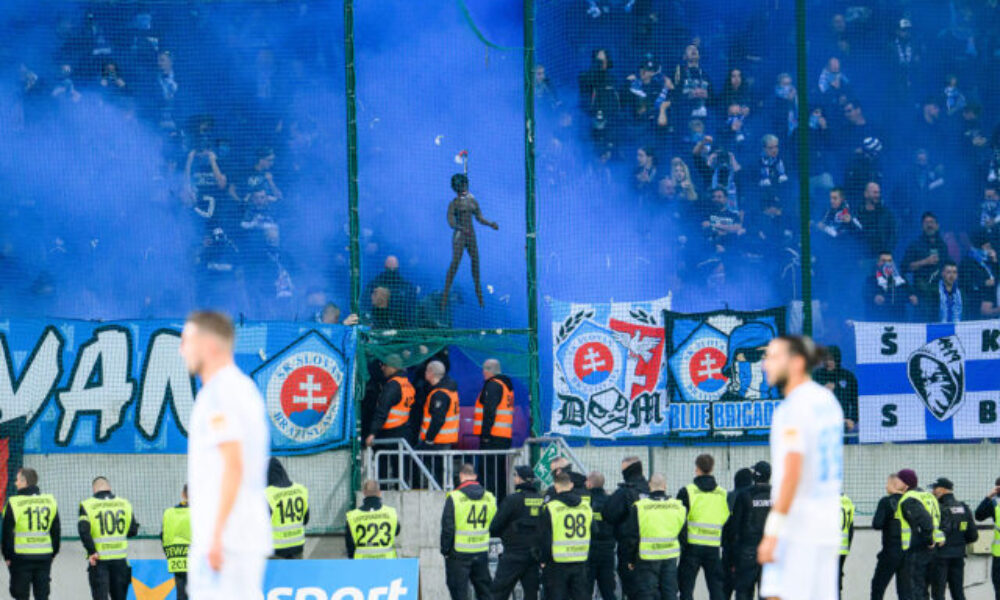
<point x="948" y="263"/>
<point x="30" y="476"/>
<point x="928" y="214"/>
<point x="884" y="251"/>
<point x="718" y="189"/>
<point x="705" y="463"/>
<point x="213" y="322"/>
<point x="838" y="190"/>
<point x="800" y="345"/>
<point x="562" y="479"/>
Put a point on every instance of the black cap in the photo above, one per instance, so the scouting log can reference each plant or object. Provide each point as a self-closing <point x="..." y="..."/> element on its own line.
<point x="943" y="482"/>
<point x="525" y="472"/>
<point x="762" y="471"/>
<point x="649" y="65"/>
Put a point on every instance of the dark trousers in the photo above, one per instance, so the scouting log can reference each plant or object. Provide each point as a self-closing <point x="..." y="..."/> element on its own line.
<point x="728" y="572"/>
<point x="601" y="570"/>
<point x="515" y="565"/>
<point x="948" y="573"/>
<point x="656" y="579"/>
<point x="29" y="577"/>
<point x="693" y="559"/>
<point x="840" y="581"/>
<point x="995" y="576"/>
<point x="459" y="571"/>
<point x="492" y="468"/>
<point x="746" y="577"/>
<point x="110" y="579"/>
<point x="566" y="581"/>
<point x="627" y="578"/>
<point x="918" y="563"/>
<point x="181" y="585"/>
<point x="888" y="565"/>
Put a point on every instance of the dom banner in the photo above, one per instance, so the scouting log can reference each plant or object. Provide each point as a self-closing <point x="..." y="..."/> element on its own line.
<point x="301" y="580"/>
<point x="716" y="363"/>
<point x="608" y="369"/>
<point x="921" y="382"/>
<point x="122" y="387"/>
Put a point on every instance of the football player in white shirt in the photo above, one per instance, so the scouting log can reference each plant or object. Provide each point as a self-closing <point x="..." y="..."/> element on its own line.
<point x="228" y="448"/>
<point x="801" y="541"/>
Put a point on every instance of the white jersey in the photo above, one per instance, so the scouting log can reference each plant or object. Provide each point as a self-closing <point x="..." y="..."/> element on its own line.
<point x="810" y="422"/>
<point x="229" y="408"/>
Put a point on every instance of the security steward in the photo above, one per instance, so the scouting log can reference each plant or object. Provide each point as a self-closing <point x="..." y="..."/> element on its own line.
<point x="465" y="536"/>
<point x="516" y="524"/>
<point x="959" y="529"/>
<point x="917" y="532"/>
<point x="564" y="543"/>
<point x="617" y="509"/>
<point x="988" y="509"/>
<point x="372" y="527"/>
<point x="440" y="426"/>
<point x="391" y="418"/>
<point x="742" y="481"/>
<point x="601" y="562"/>
<point x="289" y="504"/>
<point x="890" y="561"/>
<point x="106" y="522"/>
<point x="31" y="533"/>
<point x="707" y="513"/>
<point x="745" y="529"/>
<point x="175" y="536"/>
<point x="494" y="423"/>
<point x="846" y="534"/>
<point x="652" y="541"/>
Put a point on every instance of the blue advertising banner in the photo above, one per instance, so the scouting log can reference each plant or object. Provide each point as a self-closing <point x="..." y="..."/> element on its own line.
<point x="717" y="384"/>
<point x="301" y="580"/>
<point x="122" y="387"/>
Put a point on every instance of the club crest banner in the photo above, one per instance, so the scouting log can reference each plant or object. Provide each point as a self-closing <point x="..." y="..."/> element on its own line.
<point x="716" y="380"/>
<point x="920" y="382"/>
<point x="122" y="387"/>
<point x="608" y="369"/>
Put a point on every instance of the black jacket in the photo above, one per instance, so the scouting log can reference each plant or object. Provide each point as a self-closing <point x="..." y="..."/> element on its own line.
<point x="8" y="531"/>
<point x="440" y="403"/>
<point x="516" y="521"/>
<point x="602" y="534"/>
<point x="544" y="540"/>
<point x="368" y="504"/>
<point x="957" y="525"/>
<point x="705" y="483"/>
<point x="390" y="396"/>
<point x="986" y="509"/>
<point x="921" y="523"/>
<point x="745" y="527"/>
<point x="83" y="526"/>
<point x="474" y="491"/>
<point x="490" y="396"/>
<point x="617" y="509"/>
<point x="885" y="521"/>
<point x="629" y="543"/>
<point x="579" y="485"/>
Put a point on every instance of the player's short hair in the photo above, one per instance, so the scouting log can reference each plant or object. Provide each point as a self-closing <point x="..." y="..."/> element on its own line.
<point x="30" y="476"/>
<point x="468" y="470"/>
<point x="705" y="463"/>
<point x="562" y="481"/>
<point x="800" y="345"/>
<point x="215" y="323"/>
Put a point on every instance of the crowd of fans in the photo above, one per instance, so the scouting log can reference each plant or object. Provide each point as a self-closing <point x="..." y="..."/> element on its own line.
<point x="903" y="144"/>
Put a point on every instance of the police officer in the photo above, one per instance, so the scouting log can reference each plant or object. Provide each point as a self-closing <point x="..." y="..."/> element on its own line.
<point x="707" y="514"/>
<point x="516" y="524"/>
<point x="745" y="529"/>
<point x="652" y="542"/>
<point x="289" y="504"/>
<point x="890" y="561"/>
<point x="959" y="529"/>
<point x="917" y="531"/>
<point x="372" y="527"/>
<point x="106" y="522"/>
<point x="564" y="542"/>
<point x="617" y="510"/>
<point x="465" y="536"/>
<point x="846" y="534"/>
<point x="742" y="481"/>
<point x="989" y="508"/>
<point x="175" y="536"/>
<point x="601" y="562"/>
<point x="31" y="532"/>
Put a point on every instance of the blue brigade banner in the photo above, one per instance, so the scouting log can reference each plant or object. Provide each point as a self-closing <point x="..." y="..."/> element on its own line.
<point x="301" y="580"/>
<point x="715" y="360"/>
<point x="122" y="386"/>
<point x="919" y="382"/>
<point x="608" y="369"/>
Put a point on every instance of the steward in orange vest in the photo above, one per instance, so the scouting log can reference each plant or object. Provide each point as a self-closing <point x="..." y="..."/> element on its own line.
<point x="441" y="417"/>
<point x="494" y="422"/>
<point x="392" y="410"/>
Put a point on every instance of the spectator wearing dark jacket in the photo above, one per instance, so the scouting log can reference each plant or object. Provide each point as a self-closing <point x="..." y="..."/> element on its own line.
<point x="887" y="292"/>
<point x="878" y="226"/>
<point x="959" y="530"/>
<point x="844" y="385"/>
<point x="978" y="273"/>
<point x="924" y="256"/>
<point x="617" y="509"/>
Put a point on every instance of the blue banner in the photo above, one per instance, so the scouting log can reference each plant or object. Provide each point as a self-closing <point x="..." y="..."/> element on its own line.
<point x="717" y="384"/>
<point x="301" y="580"/>
<point x="122" y="386"/>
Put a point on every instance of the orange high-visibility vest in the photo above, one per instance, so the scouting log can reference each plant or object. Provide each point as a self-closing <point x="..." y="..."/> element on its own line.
<point x="503" y="420"/>
<point x="399" y="414"/>
<point x="448" y="434"/>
